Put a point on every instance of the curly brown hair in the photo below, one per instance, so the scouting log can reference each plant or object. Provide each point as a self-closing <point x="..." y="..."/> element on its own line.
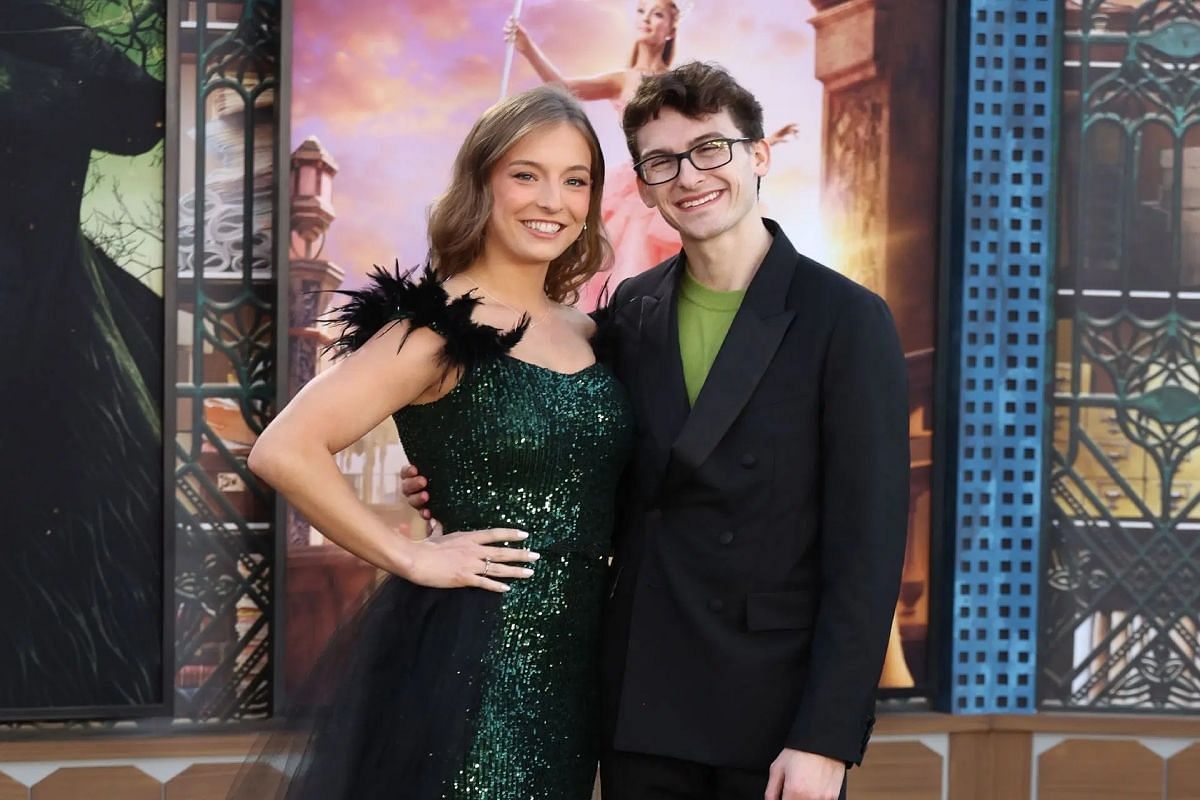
<point x="694" y="90"/>
<point x="458" y="218"/>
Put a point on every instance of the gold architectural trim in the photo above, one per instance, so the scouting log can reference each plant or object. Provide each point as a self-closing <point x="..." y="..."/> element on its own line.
<point x="1131" y="725"/>
<point x="236" y="746"/>
<point x="61" y="749"/>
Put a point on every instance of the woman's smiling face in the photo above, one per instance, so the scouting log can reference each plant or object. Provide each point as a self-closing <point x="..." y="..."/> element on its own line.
<point x="541" y="193"/>
<point x="655" y="21"/>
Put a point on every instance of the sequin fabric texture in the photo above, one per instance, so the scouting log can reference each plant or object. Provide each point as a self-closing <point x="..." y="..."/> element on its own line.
<point x="520" y="446"/>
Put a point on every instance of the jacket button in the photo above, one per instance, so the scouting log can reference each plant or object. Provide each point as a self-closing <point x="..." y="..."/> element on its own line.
<point x="716" y="604"/>
<point x="748" y="460"/>
<point x="726" y="537"/>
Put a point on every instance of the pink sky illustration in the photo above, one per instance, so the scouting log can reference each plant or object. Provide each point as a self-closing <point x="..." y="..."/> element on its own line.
<point x="390" y="87"/>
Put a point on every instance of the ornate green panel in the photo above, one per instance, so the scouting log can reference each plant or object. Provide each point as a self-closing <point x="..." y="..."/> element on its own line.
<point x="225" y="387"/>
<point x="1121" y="599"/>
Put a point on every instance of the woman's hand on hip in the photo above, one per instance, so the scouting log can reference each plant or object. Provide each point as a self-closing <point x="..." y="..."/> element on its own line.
<point x="469" y="559"/>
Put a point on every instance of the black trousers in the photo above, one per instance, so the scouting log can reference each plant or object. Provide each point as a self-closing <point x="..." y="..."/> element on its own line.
<point x="635" y="776"/>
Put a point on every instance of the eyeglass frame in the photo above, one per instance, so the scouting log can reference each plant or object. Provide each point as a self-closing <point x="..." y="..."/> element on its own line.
<point x="679" y="157"/>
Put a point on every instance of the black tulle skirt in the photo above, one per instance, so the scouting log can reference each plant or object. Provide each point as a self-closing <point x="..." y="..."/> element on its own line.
<point x="403" y="671"/>
<point x="447" y="693"/>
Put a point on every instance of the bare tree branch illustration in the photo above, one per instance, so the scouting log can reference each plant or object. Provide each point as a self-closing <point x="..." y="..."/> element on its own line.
<point x="123" y="232"/>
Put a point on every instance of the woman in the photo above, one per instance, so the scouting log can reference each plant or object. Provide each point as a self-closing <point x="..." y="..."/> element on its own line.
<point x="470" y="673"/>
<point x="640" y="235"/>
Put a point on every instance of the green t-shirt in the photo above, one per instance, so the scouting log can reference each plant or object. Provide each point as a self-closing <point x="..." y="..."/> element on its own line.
<point x="704" y="318"/>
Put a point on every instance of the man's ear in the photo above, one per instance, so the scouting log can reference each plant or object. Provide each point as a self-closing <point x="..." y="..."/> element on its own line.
<point x="646" y="193"/>
<point x="761" y="151"/>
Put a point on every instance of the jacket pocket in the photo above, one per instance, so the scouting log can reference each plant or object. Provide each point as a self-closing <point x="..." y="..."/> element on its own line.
<point x="778" y="611"/>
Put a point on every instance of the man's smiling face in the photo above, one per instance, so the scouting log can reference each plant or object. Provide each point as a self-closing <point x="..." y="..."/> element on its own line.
<point x="702" y="204"/>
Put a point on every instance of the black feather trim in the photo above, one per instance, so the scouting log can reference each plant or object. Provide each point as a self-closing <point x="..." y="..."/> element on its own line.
<point x="392" y="296"/>
<point x="604" y="338"/>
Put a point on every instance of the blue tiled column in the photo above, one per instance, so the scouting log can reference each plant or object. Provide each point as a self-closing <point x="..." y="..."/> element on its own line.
<point x="1007" y="257"/>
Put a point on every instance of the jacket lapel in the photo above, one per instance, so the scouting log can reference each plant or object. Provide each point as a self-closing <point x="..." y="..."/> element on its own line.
<point x="660" y="371"/>
<point x="749" y="346"/>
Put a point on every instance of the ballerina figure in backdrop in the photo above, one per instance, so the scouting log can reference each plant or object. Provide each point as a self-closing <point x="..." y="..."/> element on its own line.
<point x="639" y="235"/>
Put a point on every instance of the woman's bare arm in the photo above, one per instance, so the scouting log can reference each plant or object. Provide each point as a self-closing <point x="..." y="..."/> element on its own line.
<point x="605" y="86"/>
<point x="337" y="408"/>
<point x="598" y="87"/>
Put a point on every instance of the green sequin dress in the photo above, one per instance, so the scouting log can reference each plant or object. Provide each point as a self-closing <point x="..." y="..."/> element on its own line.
<point x="516" y="445"/>
<point x="459" y="694"/>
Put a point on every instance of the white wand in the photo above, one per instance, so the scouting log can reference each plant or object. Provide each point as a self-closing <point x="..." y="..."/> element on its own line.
<point x="508" y="53"/>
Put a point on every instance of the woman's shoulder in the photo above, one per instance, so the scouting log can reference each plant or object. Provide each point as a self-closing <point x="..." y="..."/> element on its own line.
<point x="393" y="297"/>
<point x="578" y="320"/>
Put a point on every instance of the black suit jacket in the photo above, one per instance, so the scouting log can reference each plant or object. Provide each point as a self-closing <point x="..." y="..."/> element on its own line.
<point x="761" y="533"/>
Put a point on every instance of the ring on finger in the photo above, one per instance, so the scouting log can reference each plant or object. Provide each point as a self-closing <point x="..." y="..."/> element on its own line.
<point x="487" y="564"/>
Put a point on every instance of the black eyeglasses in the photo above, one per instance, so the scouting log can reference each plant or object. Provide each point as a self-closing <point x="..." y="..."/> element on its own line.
<point x="664" y="167"/>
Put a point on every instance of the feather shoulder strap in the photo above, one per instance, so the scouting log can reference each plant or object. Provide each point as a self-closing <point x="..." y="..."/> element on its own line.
<point x="391" y="296"/>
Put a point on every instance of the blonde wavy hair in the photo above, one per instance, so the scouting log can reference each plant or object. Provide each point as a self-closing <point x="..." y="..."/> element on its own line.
<point x="458" y="218"/>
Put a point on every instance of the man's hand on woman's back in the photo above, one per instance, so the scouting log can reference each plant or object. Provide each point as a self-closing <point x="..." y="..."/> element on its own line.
<point x="413" y="484"/>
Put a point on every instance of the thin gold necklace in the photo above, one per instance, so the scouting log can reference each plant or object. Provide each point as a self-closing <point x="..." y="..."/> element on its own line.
<point x="533" y="319"/>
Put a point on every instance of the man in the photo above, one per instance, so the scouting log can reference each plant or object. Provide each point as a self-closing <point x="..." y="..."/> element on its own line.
<point x="761" y="538"/>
